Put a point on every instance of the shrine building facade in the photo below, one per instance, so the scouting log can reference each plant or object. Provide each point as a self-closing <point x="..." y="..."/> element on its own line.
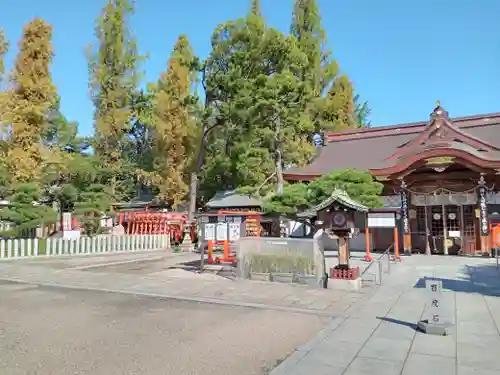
<point x="442" y="175"/>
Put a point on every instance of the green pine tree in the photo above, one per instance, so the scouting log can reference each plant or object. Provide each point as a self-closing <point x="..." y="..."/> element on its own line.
<point x="94" y="202"/>
<point x="362" y="112"/>
<point x="24" y="210"/>
<point x="359" y="185"/>
<point x="258" y="103"/>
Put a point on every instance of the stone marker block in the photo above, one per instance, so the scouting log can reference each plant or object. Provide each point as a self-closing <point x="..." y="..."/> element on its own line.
<point x="432" y="329"/>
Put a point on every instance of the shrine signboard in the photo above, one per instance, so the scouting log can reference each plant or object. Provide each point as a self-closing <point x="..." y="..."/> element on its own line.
<point x="209" y="229"/>
<point x="222" y="231"/>
<point x="381" y="220"/>
<point x="234" y="231"/>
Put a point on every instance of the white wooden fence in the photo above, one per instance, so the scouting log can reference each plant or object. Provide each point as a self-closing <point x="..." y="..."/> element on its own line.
<point x="51" y="247"/>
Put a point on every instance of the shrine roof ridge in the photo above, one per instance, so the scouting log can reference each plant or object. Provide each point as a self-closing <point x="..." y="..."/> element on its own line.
<point x="463" y="122"/>
<point x="376" y="150"/>
<point x="339" y="196"/>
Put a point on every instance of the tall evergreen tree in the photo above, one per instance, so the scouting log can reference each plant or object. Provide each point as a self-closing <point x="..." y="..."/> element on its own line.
<point x="258" y="103"/>
<point x="329" y="110"/>
<point x="4" y="46"/>
<point x="362" y="112"/>
<point x="28" y="102"/>
<point x="306" y="27"/>
<point x="113" y="81"/>
<point x="339" y="110"/>
<point x="172" y="123"/>
<point x="255" y="8"/>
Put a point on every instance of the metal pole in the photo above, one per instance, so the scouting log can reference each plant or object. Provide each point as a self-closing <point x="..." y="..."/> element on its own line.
<point x="497" y="250"/>
<point x="201" y="244"/>
<point x="379" y="272"/>
<point x="427" y="231"/>
<point x="445" y="229"/>
<point x="462" y="228"/>
<point x="388" y="263"/>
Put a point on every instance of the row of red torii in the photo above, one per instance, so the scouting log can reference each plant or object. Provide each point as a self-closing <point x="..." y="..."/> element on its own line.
<point x="171" y="223"/>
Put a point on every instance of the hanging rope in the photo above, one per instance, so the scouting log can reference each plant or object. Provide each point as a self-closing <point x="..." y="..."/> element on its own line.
<point x="444" y="190"/>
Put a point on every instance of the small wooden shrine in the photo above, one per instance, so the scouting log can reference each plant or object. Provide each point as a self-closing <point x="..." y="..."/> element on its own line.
<point x="341" y="218"/>
<point x="230" y="204"/>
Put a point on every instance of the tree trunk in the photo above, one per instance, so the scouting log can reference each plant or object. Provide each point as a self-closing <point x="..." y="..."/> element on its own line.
<point x="193" y="181"/>
<point x="193" y="187"/>
<point x="279" y="173"/>
<point x="278" y="158"/>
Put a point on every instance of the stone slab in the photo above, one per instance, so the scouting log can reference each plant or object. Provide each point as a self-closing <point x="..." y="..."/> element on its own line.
<point x="418" y="364"/>
<point x="394" y="331"/>
<point x="333" y="353"/>
<point x="386" y="349"/>
<point x="347" y="285"/>
<point x="466" y="370"/>
<point x="441" y="346"/>
<point x="311" y="367"/>
<point x="479" y="356"/>
<point x="372" y="366"/>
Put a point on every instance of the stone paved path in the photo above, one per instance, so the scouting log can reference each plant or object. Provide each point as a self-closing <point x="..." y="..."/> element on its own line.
<point x="158" y="281"/>
<point x="378" y="336"/>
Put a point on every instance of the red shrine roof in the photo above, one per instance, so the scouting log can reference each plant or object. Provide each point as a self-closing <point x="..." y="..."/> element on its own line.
<point x="390" y="149"/>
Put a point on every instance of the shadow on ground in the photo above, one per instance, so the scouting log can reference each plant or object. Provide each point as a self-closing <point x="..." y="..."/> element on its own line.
<point x="223" y="270"/>
<point x="481" y="279"/>
<point x="411" y="326"/>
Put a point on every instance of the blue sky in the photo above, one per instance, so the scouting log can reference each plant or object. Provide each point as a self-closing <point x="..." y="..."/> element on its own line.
<point x="401" y="55"/>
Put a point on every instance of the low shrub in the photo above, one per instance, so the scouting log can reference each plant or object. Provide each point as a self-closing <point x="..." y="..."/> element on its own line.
<point x="281" y="263"/>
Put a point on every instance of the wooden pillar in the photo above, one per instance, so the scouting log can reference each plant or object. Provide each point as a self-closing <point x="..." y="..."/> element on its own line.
<point x="133" y="218"/>
<point x="226" y="249"/>
<point x="368" y="256"/>
<point x="407" y="243"/>
<point x="210" y="258"/>
<point x="396" y="243"/>
<point x="343" y="251"/>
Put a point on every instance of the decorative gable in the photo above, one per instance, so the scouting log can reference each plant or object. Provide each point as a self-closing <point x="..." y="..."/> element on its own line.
<point x="441" y="133"/>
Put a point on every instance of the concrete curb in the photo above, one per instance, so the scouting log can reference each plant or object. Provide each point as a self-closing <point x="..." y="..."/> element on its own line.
<point x="128" y="261"/>
<point x="79" y="256"/>
<point x="214" y="301"/>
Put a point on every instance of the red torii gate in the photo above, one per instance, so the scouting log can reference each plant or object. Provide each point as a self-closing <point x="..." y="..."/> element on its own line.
<point x="144" y="222"/>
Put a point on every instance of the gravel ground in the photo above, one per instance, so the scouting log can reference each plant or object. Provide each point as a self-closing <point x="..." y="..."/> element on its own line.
<point x="61" y="332"/>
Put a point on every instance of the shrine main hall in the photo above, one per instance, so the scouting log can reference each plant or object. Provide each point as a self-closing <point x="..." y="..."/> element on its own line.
<point x="441" y="175"/>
